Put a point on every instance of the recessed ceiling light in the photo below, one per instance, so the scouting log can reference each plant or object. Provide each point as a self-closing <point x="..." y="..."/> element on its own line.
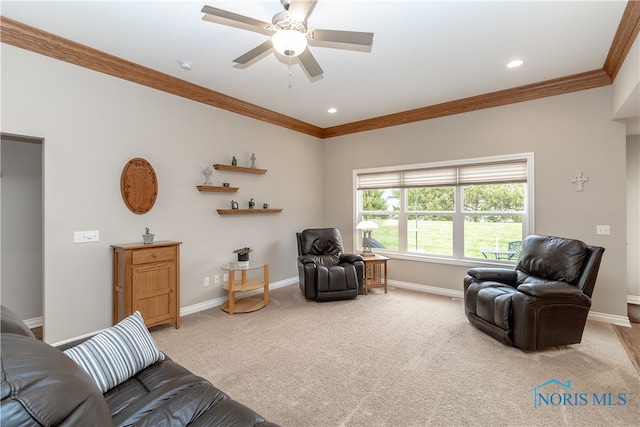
<point x="185" y="65"/>
<point x="332" y="110"/>
<point x="515" y="63"/>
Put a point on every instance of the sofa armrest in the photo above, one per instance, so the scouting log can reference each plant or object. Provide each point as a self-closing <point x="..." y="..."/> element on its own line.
<point x="502" y="275"/>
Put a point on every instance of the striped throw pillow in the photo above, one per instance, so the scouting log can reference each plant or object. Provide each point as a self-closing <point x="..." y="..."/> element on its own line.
<point x="118" y="353"/>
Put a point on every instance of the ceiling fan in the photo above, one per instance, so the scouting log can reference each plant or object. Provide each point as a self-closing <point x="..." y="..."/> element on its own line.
<point x="289" y="33"/>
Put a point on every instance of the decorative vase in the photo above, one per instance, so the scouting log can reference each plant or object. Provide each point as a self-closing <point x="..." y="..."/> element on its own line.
<point x="148" y="238"/>
<point x="243" y="257"/>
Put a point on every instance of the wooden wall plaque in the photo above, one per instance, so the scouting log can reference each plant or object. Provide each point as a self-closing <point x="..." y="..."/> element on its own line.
<point x="139" y="185"/>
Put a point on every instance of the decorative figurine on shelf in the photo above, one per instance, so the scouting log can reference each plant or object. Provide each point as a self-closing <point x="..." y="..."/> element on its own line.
<point x="251" y="203"/>
<point x="234" y="204"/>
<point x="253" y="160"/>
<point x="234" y="162"/>
<point x="147" y="237"/>
<point x="225" y="184"/>
<point x="265" y="206"/>
<point x="207" y="173"/>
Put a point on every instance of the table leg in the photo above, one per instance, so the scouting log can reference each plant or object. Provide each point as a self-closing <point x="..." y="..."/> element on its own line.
<point x="266" y="284"/>
<point x="232" y="302"/>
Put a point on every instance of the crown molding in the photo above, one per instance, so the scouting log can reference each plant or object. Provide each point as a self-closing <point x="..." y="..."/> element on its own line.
<point x="625" y="36"/>
<point x="25" y="37"/>
<point x="576" y="82"/>
<point x="41" y="42"/>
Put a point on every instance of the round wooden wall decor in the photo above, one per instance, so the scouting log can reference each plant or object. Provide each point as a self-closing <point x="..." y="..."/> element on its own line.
<point x="139" y="185"/>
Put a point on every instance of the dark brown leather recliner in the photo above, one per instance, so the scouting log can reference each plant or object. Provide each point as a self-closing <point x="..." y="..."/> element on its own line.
<point x="326" y="273"/>
<point x="544" y="302"/>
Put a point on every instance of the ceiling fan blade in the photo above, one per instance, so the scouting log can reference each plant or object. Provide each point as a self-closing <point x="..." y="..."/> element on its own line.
<point x="350" y="37"/>
<point x="214" y="11"/>
<point x="254" y="53"/>
<point x="310" y="64"/>
<point x="299" y="10"/>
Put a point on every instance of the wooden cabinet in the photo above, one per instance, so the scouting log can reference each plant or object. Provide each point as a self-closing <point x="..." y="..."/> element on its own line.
<point x="146" y="278"/>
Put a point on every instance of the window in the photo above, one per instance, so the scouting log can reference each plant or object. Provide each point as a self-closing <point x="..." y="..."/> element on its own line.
<point x="469" y="209"/>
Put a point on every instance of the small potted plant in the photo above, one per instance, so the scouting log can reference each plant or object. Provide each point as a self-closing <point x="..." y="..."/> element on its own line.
<point x="243" y="253"/>
<point x="147" y="237"/>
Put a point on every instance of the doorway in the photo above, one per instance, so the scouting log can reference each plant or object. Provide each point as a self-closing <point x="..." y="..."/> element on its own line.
<point x="21" y="235"/>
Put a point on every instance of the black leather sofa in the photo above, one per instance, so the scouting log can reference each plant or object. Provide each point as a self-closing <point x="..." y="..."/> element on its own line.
<point x="43" y="386"/>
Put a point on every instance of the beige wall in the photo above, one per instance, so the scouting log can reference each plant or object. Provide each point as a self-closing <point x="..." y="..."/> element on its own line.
<point x="633" y="218"/>
<point x="22" y="228"/>
<point x="567" y="134"/>
<point x="92" y="124"/>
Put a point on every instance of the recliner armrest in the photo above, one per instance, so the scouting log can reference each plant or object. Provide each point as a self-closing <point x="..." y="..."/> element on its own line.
<point x="350" y="258"/>
<point x="306" y="259"/>
<point x="502" y="275"/>
<point x="551" y="289"/>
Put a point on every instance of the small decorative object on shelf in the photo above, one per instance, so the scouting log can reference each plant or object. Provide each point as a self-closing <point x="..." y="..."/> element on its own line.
<point x="234" y="162"/>
<point x="225" y="184"/>
<point x="147" y="237"/>
<point x="265" y="206"/>
<point x="243" y="254"/>
<point x="251" y="203"/>
<point x="253" y="160"/>
<point x="207" y="174"/>
<point x="234" y="205"/>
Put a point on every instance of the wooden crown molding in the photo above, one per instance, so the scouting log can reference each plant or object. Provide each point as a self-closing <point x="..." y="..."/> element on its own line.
<point x="38" y="41"/>
<point x="625" y="36"/>
<point x="577" y="82"/>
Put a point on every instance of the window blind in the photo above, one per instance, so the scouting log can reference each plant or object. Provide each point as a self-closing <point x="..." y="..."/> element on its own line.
<point x="482" y="173"/>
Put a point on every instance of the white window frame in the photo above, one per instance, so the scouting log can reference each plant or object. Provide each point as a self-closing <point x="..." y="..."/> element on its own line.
<point x="528" y="221"/>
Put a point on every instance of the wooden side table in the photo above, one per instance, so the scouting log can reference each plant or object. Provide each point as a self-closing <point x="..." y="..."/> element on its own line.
<point x="245" y="305"/>
<point x="375" y="272"/>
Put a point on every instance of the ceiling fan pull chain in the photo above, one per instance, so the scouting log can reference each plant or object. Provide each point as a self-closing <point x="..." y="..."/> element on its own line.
<point x="290" y="74"/>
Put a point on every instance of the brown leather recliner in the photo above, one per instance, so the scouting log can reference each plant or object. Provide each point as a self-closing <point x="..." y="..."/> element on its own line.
<point x="326" y="273"/>
<point x="544" y="302"/>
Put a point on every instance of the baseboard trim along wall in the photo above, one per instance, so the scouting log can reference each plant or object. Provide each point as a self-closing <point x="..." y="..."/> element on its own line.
<point x="633" y="299"/>
<point x="36" y="322"/>
<point x="216" y="302"/>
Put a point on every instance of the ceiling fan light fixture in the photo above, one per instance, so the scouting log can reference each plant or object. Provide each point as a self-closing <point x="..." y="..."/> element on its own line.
<point x="289" y="42"/>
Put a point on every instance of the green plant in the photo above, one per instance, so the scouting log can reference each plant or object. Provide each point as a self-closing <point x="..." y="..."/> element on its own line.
<point x="243" y="251"/>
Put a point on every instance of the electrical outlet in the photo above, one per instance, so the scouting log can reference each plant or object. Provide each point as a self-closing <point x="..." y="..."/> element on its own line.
<point x="603" y="230"/>
<point x="225" y="277"/>
<point x="206" y="281"/>
<point x="216" y="279"/>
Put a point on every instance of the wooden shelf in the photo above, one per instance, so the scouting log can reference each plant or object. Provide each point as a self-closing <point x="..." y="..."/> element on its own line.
<point x="242" y="169"/>
<point x="216" y="189"/>
<point x="247" y="211"/>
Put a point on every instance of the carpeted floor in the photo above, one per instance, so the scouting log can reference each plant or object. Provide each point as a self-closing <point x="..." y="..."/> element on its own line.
<point x="400" y="359"/>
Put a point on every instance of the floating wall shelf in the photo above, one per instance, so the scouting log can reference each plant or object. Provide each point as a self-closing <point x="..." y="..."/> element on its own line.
<point x="247" y="211"/>
<point x="242" y="169"/>
<point x="216" y="189"/>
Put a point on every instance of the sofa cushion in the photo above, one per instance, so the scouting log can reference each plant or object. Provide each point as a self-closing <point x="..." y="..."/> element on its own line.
<point x="117" y="353"/>
<point x="34" y="374"/>
<point x="552" y="258"/>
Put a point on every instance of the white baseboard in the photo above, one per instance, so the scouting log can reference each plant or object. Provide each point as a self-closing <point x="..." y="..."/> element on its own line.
<point x="428" y="289"/>
<point x="36" y="322"/>
<point x="599" y="317"/>
<point x="216" y="302"/>
<point x="633" y="299"/>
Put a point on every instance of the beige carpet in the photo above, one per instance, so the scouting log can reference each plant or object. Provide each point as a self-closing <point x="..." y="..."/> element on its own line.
<point x="401" y="359"/>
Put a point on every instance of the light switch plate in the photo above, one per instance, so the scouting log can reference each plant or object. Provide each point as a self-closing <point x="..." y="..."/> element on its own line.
<point x="603" y="230"/>
<point x="86" y="236"/>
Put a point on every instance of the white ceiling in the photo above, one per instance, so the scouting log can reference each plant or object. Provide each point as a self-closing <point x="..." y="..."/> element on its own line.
<point x="424" y="52"/>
